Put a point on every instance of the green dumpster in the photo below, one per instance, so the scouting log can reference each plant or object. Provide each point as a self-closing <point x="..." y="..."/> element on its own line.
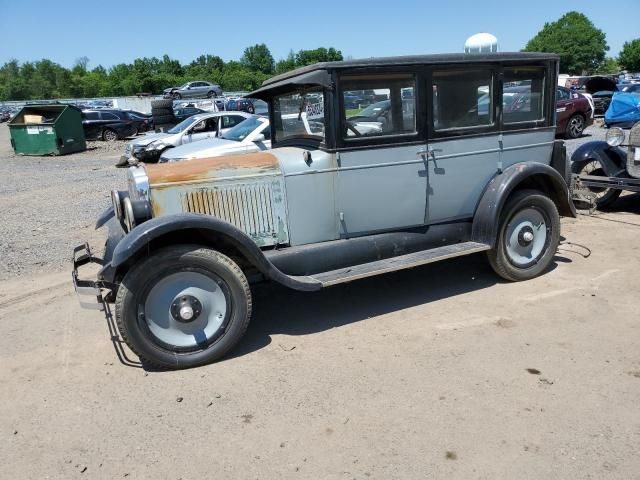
<point x="47" y="130"/>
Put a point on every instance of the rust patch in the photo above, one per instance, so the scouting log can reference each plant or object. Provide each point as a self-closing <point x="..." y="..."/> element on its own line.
<point x="206" y="168"/>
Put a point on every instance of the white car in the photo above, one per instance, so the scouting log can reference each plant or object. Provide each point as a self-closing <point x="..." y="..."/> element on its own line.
<point x="193" y="129"/>
<point x="252" y="135"/>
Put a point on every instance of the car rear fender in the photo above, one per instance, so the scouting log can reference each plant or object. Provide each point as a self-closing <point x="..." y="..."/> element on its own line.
<point x="520" y="176"/>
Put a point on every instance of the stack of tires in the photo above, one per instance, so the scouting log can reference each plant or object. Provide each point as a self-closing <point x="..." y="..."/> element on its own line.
<point x="162" y="111"/>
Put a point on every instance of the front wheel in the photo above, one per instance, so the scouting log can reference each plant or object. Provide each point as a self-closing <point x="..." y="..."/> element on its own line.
<point x="528" y="236"/>
<point x="176" y="96"/>
<point x="183" y="307"/>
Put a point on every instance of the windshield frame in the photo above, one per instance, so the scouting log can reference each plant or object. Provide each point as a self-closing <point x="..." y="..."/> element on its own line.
<point x="309" y="140"/>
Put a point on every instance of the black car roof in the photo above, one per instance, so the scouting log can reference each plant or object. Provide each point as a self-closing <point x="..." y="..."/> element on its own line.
<point x="440" y="58"/>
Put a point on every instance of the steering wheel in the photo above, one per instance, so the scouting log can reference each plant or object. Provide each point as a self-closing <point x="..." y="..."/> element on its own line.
<point x="350" y="126"/>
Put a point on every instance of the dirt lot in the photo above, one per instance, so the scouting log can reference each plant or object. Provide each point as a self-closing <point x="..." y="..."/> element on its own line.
<point x="442" y="371"/>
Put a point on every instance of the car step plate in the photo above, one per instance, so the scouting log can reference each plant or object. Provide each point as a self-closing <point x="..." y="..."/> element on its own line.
<point x="410" y="260"/>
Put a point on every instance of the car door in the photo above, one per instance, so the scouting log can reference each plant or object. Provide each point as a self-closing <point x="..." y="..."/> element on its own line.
<point x="380" y="182"/>
<point x="463" y="149"/>
<point x="564" y="107"/>
<point x="201" y="130"/>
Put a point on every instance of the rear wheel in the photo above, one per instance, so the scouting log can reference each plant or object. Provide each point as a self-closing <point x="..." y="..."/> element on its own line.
<point x="528" y="236"/>
<point x="183" y="307"/>
<point x="109" y="135"/>
<point x="575" y="126"/>
<point x="211" y="94"/>
<point x="604" y="196"/>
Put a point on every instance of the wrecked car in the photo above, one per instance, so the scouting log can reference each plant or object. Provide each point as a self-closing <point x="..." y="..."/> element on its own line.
<point x="605" y="169"/>
<point x="335" y="200"/>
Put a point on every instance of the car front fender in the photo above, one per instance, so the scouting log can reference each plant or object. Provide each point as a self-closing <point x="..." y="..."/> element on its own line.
<point x="181" y="228"/>
<point x="612" y="159"/>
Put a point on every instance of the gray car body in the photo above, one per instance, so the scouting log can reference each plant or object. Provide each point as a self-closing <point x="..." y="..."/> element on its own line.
<point x="195" y="89"/>
<point x="185" y="137"/>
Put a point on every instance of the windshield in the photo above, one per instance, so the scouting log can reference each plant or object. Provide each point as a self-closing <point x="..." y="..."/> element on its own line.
<point x="182" y="126"/>
<point x="299" y="114"/>
<point x="243" y="129"/>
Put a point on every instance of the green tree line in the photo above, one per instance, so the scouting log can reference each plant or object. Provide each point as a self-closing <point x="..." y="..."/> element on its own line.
<point x="45" y="79"/>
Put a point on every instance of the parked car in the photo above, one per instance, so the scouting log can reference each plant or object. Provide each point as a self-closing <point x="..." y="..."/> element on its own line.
<point x="601" y="90"/>
<point x="240" y="105"/>
<point x="143" y="122"/>
<point x="573" y="111"/>
<point x="183" y="113"/>
<point x="193" y="129"/>
<point x="252" y="135"/>
<point x="108" y="125"/>
<point x="605" y="169"/>
<point x="629" y="87"/>
<point x="5" y="115"/>
<point x="324" y="207"/>
<point x="196" y="89"/>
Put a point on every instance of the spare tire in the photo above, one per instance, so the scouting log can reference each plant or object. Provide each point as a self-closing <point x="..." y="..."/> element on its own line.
<point x="165" y="103"/>
<point x="161" y="119"/>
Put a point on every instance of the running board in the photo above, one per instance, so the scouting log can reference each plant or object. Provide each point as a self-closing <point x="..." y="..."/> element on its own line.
<point x="401" y="262"/>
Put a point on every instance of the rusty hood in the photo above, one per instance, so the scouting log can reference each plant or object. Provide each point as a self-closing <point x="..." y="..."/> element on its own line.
<point x="210" y="169"/>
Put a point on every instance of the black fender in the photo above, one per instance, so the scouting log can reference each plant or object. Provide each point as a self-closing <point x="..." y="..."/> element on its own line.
<point x="139" y="238"/>
<point x="541" y="176"/>
<point x="612" y="159"/>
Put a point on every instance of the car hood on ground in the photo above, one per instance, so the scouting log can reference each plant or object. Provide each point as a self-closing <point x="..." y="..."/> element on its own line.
<point x="203" y="148"/>
<point x="150" y="137"/>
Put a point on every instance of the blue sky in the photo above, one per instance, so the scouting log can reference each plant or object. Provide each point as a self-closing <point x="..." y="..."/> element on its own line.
<point x="119" y="31"/>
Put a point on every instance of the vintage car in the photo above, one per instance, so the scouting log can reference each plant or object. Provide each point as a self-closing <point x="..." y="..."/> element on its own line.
<point x="336" y="200"/>
<point x="605" y="170"/>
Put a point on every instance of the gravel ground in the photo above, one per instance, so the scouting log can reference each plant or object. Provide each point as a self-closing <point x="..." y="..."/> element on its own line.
<point x="50" y="204"/>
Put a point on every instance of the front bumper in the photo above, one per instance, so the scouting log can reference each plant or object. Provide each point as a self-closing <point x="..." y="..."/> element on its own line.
<point x="86" y="289"/>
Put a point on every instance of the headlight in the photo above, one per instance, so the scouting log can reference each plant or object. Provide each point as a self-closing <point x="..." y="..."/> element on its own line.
<point x="138" y="183"/>
<point x="615" y="136"/>
<point x="157" y="146"/>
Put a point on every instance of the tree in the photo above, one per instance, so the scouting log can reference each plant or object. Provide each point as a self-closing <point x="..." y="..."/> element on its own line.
<point x="608" y="67"/>
<point x="258" y="58"/>
<point x="309" y="57"/>
<point x="574" y="37"/>
<point x="629" y="58"/>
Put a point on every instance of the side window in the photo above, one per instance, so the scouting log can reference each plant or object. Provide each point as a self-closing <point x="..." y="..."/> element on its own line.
<point x="91" y="115"/>
<point x="376" y="105"/>
<point x="199" y="127"/>
<point x="563" y="94"/>
<point x="462" y="99"/>
<point x="230" y="121"/>
<point x="523" y="95"/>
<point x="109" y="116"/>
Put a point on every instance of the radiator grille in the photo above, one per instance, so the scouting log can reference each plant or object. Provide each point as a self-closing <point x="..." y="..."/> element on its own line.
<point x="249" y="207"/>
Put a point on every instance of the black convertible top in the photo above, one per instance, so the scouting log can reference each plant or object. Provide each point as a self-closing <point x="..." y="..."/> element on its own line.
<point x="318" y="73"/>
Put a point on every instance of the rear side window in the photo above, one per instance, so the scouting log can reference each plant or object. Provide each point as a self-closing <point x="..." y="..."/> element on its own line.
<point x="523" y="95"/>
<point x="377" y="105"/>
<point x="91" y="115"/>
<point x="109" y="116"/>
<point x="462" y="99"/>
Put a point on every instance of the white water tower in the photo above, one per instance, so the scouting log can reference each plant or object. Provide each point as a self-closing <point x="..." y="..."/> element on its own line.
<point x="481" y="43"/>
